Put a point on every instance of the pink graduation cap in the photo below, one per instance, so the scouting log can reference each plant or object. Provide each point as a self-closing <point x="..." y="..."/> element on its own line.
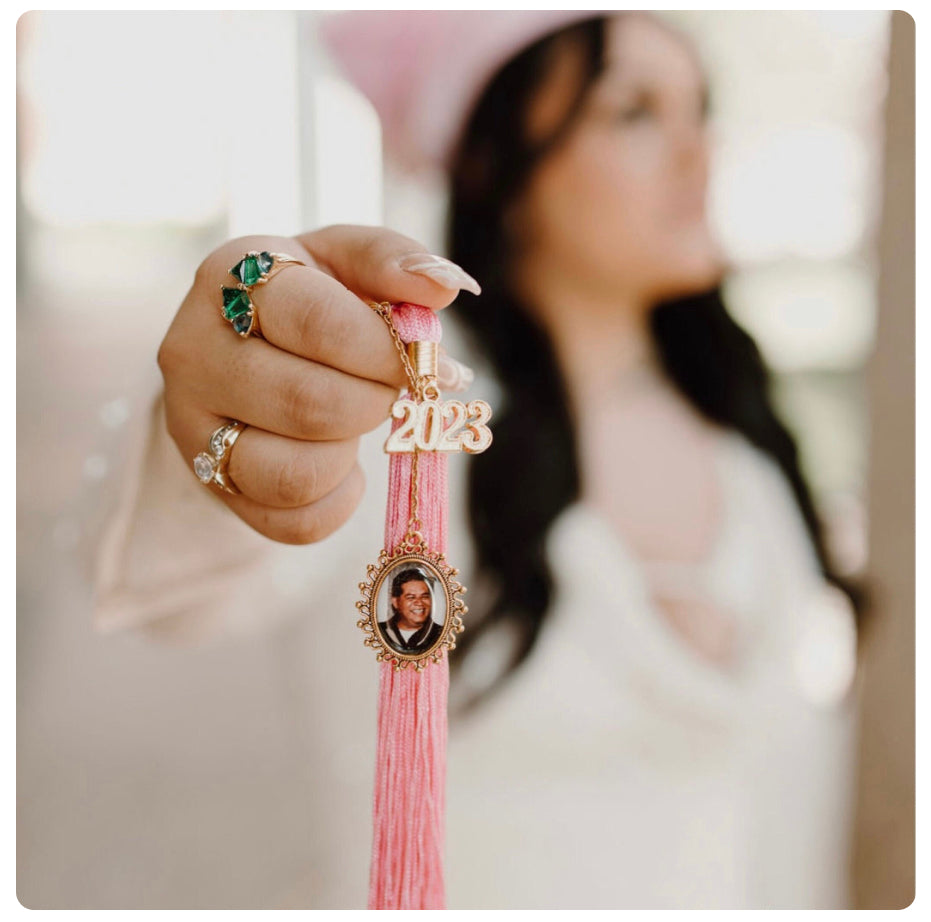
<point x="424" y="70"/>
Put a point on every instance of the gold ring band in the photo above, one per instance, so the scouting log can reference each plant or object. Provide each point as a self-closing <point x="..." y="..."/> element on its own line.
<point x="211" y="466"/>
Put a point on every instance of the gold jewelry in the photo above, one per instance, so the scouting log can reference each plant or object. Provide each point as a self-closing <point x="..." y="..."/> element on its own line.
<point x="428" y="424"/>
<point x="211" y="466"/>
<point x="254" y="269"/>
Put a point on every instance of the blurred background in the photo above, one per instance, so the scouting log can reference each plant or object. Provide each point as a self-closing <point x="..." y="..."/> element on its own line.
<point x="131" y="170"/>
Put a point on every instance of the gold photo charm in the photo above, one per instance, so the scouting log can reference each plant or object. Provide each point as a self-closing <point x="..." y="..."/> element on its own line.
<point x="412" y="582"/>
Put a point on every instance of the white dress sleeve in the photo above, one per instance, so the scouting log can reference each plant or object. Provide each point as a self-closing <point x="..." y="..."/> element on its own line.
<point x="818" y="636"/>
<point x="802" y="757"/>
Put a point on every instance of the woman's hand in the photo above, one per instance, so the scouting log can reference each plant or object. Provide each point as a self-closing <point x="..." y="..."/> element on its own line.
<point x="324" y="371"/>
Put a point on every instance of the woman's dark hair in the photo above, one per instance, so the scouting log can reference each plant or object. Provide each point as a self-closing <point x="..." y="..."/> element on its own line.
<point x="712" y="361"/>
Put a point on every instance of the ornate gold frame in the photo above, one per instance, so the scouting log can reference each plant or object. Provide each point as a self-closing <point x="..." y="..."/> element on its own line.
<point x="455" y="607"/>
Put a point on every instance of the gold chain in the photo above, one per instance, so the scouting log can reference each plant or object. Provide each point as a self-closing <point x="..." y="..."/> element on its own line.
<point x="417" y="386"/>
<point x="383" y="309"/>
<point x="413" y="521"/>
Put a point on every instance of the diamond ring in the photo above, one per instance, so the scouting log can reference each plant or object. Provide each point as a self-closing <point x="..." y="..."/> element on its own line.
<point x="211" y="465"/>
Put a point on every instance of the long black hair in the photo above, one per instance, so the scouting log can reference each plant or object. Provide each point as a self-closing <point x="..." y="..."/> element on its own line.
<point x="707" y="355"/>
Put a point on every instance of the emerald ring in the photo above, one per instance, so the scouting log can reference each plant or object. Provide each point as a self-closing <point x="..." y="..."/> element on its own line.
<point x="211" y="465"/>
<point x="254" y="269"/>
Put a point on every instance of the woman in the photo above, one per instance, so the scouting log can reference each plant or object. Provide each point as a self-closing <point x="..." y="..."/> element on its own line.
<point x="646" y="556"/>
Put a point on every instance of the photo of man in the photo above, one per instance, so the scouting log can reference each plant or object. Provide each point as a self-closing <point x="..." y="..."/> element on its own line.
<point x="411" y="628"/>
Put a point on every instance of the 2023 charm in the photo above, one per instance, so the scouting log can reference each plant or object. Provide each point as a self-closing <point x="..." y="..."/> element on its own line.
<point x="424" y="426"/>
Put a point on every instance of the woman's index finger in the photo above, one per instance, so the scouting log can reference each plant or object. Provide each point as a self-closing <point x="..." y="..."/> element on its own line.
<point x="382" y="265"/>
<point x="307" y="312"/>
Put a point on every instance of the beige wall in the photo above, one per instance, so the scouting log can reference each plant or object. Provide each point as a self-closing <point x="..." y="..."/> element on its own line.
<point x="884" y="858"/>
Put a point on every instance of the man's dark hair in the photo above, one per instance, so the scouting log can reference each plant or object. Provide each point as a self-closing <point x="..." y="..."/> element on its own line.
<point x="406" y="576"/>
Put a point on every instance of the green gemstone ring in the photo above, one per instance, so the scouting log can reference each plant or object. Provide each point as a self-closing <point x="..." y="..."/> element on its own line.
<point x="255" y="268"/>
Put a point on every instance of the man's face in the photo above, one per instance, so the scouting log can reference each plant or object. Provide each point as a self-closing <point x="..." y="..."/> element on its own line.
<point x="413" y="604"/>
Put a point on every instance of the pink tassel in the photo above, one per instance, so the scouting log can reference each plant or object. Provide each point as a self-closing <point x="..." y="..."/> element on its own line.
<point x="410" y="769"/>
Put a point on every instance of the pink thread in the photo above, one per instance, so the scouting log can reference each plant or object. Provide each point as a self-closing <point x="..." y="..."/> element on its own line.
<point x="416" y="323"/>
<point x="410" y="768"/>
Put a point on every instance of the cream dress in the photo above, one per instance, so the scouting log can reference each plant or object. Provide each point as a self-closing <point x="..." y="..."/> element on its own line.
<point x="616" y="770"/>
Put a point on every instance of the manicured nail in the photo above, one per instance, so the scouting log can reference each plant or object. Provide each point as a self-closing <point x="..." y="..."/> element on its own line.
<point x="452" y="375"/>
<point x="439" y="270"/>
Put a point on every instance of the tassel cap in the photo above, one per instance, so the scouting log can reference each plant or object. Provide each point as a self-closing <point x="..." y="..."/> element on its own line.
<point x="424" y="357"/>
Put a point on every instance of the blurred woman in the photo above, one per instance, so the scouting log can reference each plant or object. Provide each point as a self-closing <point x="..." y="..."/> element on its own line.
<point x="650" y="582"/>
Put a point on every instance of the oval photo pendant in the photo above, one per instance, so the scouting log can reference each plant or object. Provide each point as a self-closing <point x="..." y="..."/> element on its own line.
<point x="411" y="607"/>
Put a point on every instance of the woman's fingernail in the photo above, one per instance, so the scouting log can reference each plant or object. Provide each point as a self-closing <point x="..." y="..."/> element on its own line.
<point x="439" y="270"/>
<point x="452" y="375"/>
